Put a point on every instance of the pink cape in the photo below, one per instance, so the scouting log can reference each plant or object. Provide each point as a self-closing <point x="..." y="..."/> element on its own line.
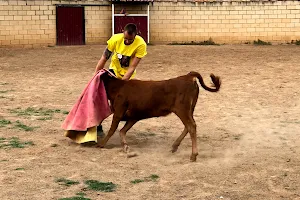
<point x="91" y="108"/>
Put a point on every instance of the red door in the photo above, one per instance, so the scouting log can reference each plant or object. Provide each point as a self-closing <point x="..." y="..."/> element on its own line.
<point x="139" y="21"/>
<point x="70" y="26"/>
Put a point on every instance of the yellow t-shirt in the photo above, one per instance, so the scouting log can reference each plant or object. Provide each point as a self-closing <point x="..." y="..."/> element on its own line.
<point x="123" y="54"/>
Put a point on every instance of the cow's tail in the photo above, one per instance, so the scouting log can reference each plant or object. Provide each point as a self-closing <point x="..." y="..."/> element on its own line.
<point x="215" y="79"/>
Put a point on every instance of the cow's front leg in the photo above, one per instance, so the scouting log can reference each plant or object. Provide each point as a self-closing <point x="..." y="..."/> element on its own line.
<point x="114" y="125"/>
<point x="123" y="132"/>
<point x="119" y="107"/>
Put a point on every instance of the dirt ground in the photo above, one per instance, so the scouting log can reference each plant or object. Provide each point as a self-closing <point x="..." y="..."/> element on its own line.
<point x="248" y="133"/>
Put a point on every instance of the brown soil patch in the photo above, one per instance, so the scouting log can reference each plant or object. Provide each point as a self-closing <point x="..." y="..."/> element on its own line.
<point x="248" y="133"/>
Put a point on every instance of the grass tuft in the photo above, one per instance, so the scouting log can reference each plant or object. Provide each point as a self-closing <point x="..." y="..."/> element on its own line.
<point x="14" y="142"/>
<point x="100" y="186"/>
<point x="152" y="177"/>
<point x="75" y="198"/>
<point x="260" y="42"/>
<point x="66" y="182"/>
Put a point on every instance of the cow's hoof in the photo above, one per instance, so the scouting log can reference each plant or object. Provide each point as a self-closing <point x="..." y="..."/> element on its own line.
<point x="174" y="149"/>
<point x="126" y="148"/>
<point x="99" y="146"/>
<point x="131" y="154"/>
<point x="193" y="157"/>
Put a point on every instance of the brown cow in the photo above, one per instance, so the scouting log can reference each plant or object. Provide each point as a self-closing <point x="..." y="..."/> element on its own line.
<point x="135" y="100"/>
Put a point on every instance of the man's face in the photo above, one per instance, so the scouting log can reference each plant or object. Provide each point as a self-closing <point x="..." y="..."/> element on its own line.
<point x="128" y="39"/>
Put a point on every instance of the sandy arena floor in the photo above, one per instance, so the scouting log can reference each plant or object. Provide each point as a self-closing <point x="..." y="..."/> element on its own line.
<point x="248" y="133"/>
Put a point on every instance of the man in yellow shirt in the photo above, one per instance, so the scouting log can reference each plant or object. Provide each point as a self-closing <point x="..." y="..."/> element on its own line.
<point x="128" y="49"/>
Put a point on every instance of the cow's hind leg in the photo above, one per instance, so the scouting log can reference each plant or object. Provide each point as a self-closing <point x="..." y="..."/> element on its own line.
<point x="192" y="130"/>
<point x="190" y="125"/>
<point x="123" y="132"/>
<point x="186" y="116"/>
<point x="178" y="140"/>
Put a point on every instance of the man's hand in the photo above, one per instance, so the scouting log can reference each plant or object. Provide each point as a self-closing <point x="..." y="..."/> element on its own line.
<point x="131" y="68"/>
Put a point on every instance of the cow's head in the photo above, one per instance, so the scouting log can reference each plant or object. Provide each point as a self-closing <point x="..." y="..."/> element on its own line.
<point x="107" y="75"/>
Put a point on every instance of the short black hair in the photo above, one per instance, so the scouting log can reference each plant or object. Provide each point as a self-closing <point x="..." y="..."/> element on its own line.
<point x="131" y="29"/>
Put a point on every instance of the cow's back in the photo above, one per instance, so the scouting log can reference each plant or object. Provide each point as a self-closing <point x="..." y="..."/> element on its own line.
<point x="147" y="99"/>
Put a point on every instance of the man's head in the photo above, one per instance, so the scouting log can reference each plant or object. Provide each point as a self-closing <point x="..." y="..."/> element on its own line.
<point x="130" y="32"/>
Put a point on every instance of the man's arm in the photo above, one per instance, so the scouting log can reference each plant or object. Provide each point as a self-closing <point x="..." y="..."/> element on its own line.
<point x="131" y="68"/>
<point x="105" y="56"/>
